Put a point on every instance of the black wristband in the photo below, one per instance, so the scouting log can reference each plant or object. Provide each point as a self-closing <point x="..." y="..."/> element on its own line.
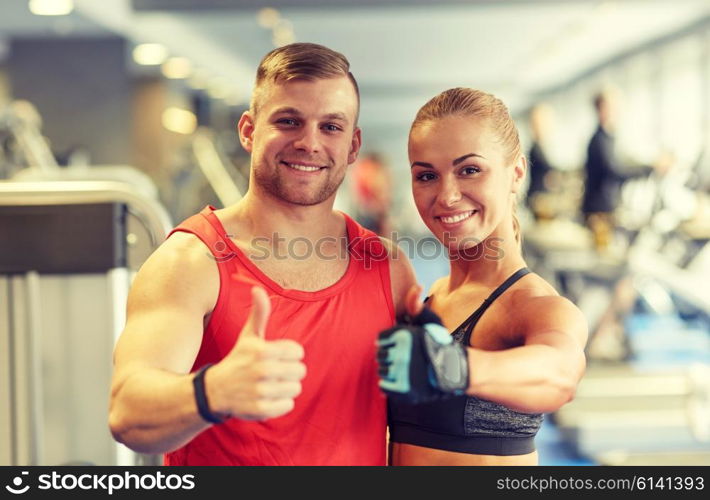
<point x="203" y="407"/>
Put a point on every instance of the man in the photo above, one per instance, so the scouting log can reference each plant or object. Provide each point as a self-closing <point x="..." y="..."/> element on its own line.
<point x="540" y="169"/>
<point x="605" y="172"/>
<point x="251" y="330"/>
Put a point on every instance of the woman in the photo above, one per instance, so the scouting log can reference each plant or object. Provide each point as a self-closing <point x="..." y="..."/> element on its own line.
<point x="524" y="342"/>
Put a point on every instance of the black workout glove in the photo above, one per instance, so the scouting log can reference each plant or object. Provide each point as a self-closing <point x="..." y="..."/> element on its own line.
<point x="420" y="362"/>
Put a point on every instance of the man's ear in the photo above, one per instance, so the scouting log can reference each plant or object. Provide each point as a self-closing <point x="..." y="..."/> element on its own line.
<point x="355" y="145"/>
<point x="245" y="128"/>
<point x="519" y="170"/>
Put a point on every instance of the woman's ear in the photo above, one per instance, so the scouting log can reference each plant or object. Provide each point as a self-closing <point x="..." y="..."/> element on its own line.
<point x="519" y="170"/>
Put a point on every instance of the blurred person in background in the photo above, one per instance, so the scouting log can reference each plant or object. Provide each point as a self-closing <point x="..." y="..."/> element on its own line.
<point x="541" y="172"/>
<point x="606" y="171"/>
<point x="372" y="193"/>
<point x="473" y="391"/>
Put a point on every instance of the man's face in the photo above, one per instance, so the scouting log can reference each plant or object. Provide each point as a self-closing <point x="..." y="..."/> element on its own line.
<point x="302" y="139"/>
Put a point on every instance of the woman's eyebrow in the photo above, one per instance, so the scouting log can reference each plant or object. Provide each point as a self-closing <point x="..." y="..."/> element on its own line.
<point x="454" y="163"/>
<point x="465" y="157"/>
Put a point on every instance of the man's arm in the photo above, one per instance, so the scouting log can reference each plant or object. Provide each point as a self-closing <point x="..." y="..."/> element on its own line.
<point x="153" y="407"/>
<point x="403" y="280"/>
<point x="620" y="168"/>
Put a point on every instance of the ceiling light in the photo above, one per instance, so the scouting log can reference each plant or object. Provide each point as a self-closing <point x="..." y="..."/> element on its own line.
<point x="283" y="33"/>
<point x="177" y="68"/>
<point x="281" y="39"/>
<point x="51" y="7"/>
<point x="180" y="121"/>
<point x="150" y="54"/>
<point x="268" y="17"/>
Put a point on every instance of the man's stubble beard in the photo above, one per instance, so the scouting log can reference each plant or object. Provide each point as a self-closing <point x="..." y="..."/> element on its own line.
<point x="273" y="184"/>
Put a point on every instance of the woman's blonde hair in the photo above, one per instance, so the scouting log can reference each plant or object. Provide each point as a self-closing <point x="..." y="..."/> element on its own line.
<point x="471" y="102"/>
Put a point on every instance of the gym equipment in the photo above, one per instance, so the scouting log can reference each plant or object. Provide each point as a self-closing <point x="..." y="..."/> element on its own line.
<point x="21" y="142"/>
<point x="645" y="404"/>
<point x="69" y="251"/>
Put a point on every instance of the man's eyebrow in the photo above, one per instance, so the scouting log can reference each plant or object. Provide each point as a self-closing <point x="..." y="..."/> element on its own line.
<point x="286" y="110"/>
<point x="465" y="157"/>
<point x="336" y="116"/>
<point x="289" y="110"/>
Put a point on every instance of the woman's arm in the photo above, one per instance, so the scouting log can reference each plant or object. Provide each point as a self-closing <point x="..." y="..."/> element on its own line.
<point x="541" y="375"/>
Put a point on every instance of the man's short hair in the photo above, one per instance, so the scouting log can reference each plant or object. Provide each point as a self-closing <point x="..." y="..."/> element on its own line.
<point x="300" y="61"/>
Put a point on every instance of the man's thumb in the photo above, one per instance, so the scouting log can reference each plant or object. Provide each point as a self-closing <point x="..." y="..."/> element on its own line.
<point x="259" y="315"/>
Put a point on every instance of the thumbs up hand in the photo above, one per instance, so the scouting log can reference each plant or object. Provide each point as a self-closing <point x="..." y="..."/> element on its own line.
<point x="258" y="379"/>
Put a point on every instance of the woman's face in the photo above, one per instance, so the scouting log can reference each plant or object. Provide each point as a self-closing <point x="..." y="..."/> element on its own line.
<point x="462" y="182"/>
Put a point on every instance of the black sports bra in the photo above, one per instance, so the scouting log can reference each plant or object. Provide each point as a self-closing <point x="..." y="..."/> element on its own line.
<point x="463" y="423"/>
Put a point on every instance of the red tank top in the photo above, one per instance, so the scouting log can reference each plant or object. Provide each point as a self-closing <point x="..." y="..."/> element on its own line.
<point x="340" y="416"/>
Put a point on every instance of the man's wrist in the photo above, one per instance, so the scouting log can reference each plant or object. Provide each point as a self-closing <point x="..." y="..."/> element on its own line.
<point x="201" y="399"/>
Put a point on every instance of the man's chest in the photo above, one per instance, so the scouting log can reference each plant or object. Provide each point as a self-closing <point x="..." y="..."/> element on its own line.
<point x="300" y="264"/>
<point x="307" y="275"/>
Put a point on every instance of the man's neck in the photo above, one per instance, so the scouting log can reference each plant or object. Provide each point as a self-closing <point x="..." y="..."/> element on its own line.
<point x="262" y="216"/>
<point x="607" y="127"/>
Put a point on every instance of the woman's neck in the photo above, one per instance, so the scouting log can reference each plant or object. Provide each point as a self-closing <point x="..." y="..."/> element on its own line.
<point x="489" y="263"/>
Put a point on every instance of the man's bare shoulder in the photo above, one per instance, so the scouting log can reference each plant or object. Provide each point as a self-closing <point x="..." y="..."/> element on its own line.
<point x="173" y="292"/>
<point x="181" y="269"/>
<point x="402" y="274"/>
<point x="394" y="252"/>
<point x="184" y="246"/>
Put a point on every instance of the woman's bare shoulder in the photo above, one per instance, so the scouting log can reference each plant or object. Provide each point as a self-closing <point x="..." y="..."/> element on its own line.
<point x="537" y="301"/>
<point x="531" y="287"/>
<point x="539" y="308"/>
